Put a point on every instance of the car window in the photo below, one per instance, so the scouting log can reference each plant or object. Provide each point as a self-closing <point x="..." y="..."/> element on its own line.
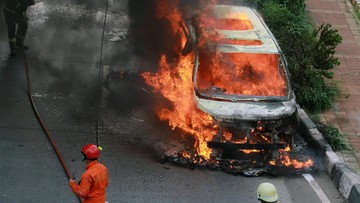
<point x="252" y="74"/>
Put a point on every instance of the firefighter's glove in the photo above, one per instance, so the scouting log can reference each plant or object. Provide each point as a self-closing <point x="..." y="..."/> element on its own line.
<point x="72" y="181"/>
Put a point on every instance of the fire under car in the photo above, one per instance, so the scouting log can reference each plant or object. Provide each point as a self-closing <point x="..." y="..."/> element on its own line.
<point x="241" y="79"/>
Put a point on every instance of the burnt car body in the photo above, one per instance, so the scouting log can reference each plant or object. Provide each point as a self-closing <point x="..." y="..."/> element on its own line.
<point x="232" y="75"/>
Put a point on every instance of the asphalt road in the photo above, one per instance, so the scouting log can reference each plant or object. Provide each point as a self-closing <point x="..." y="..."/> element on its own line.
<point x="69" y="60"/>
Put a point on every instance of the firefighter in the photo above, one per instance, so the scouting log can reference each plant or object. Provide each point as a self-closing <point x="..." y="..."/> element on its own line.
<point x="267" y="193"/>
<point x="92" y="186"/>
<point x="17" y="22"/>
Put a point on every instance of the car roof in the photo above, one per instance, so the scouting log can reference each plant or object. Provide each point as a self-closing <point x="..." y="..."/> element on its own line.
<point x="260" y="32"/>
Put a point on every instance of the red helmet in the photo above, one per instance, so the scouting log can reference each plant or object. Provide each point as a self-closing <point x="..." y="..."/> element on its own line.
<point x="90" y="151"/>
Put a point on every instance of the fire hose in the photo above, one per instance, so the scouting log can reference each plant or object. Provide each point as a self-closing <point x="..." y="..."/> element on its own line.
<point x="41" y="122"/>
<point x="39" y="118"/>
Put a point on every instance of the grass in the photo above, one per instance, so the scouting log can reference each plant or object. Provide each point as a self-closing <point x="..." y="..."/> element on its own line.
<point x="334" y="137"/>
<point x="331" y="134"/>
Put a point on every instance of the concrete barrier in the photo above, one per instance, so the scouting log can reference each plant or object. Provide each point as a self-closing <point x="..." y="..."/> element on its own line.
<point x="343" y="177"/>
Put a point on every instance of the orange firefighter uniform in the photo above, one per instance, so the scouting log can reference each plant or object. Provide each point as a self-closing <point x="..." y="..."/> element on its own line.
<point x="92" y="187"/>
<point x="93" y="183"/>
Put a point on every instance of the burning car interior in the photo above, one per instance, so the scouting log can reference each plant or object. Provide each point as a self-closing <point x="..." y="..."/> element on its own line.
<point x="241" y="80"/>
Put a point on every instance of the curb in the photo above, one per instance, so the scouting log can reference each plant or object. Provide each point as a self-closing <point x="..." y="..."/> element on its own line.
<point x="343" y="177"/>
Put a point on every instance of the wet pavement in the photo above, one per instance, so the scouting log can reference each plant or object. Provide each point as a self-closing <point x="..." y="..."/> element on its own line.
<point x="345" y="113"/>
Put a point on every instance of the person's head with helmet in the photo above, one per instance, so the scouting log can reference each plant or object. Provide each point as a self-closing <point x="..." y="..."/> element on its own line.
<point x="91" y="152"/>
<point x="266" y="192"/>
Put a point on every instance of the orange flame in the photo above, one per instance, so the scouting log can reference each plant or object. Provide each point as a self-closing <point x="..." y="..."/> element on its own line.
<point x="168" y="10"/>
<point x="232" y="21"/>
<point x="287" y="161"/>
<point x="248" y="151"/>
<point x="174" y="82"/>
<point x="241" y="73"/>
<point x="236" y="73"/>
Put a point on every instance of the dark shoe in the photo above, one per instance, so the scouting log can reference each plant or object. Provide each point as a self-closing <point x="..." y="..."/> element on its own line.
<point x="13" y="53"/>
<point x="22" y="47"/>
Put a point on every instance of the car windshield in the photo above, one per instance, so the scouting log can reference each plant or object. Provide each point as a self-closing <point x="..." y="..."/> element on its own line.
<point x="249" y="74"/>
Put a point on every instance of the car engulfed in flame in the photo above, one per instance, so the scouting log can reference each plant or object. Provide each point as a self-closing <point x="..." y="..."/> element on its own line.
<point x="241" y="79"/>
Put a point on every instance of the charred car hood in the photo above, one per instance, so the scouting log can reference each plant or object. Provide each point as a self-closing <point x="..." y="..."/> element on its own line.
<point x="246" y="110"/>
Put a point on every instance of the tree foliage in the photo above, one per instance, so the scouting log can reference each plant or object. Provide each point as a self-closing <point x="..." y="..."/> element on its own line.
<point x="296" y="7"/>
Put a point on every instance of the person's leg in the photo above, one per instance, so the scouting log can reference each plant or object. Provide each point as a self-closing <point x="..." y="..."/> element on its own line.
<point x="22" y="22"/>
<point x="11" y="27"/>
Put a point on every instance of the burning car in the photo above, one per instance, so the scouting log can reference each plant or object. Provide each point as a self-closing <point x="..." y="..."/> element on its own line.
<point x="225" y="88"/>
<point x="241" y="79"/>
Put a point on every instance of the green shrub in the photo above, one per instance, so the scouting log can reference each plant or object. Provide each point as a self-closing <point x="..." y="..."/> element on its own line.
<point x="316" y="96"/>
<point x="311" y="64"/>
<point x="296" y="7"/>
<point x="324" y="49"/>
<point x="333" y="137"/>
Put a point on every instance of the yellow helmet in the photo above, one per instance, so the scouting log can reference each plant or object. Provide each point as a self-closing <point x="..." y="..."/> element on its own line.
<point x="267" y="192"/>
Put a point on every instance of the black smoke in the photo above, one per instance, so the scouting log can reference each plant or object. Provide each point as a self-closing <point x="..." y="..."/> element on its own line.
<point x="152" y="36"/>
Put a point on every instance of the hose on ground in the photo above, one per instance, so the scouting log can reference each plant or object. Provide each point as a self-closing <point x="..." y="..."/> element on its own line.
<point x="41" y="122"/>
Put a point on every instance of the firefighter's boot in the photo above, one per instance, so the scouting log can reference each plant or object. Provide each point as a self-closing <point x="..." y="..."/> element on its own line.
<point x="20" y="44"/>
<point x="12" y="43"/>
